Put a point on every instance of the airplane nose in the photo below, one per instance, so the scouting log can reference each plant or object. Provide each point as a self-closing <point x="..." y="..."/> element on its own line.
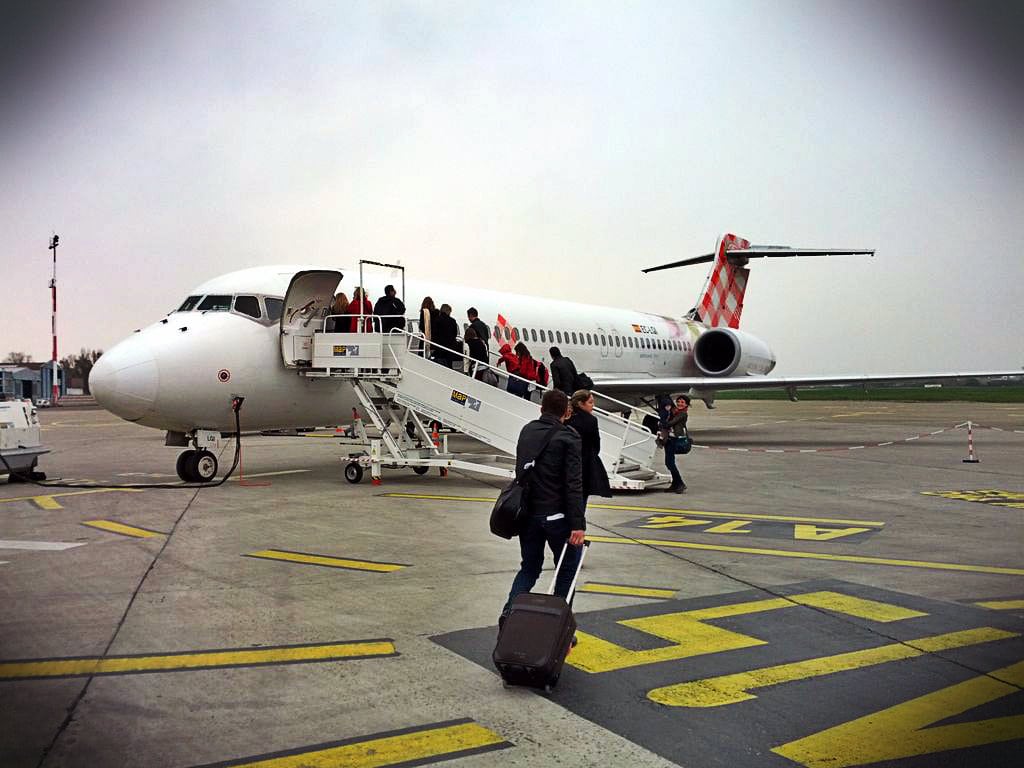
<point x="124" y="380"/>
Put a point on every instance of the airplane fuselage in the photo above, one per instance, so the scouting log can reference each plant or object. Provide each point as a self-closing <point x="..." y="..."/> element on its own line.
<point x="180" y="373"/>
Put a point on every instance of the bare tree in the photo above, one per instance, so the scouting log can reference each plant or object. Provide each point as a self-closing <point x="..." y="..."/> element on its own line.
<point x="18" y="357"/>
<point x="78" y="366"/>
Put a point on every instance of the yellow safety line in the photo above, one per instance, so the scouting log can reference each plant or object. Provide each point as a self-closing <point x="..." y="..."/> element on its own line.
<point x="812" y="555"/>
<point x="621" y="589"/>
<point x="177" y="662"/>
<point x="429" y="744"/>
<point x="332" y="562"/>
<point x="71" y="493"/>
<point x="732" y="689"/>
<point x="1002" y="605"/>
<point x="667" y="510"/>
<point x="124" y="530"/>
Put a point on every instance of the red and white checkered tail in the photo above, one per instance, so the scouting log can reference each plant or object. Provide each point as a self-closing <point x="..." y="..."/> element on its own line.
<point x="722" y="301"/>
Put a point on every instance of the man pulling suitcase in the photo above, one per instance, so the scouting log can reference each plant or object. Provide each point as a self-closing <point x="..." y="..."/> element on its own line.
<point x="551" y="453"/>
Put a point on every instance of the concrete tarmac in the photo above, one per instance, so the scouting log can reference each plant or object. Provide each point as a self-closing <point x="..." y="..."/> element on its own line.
<point x="836" y="588"/>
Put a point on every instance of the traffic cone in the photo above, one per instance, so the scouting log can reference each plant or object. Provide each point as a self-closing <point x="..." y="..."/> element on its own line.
<point x="436" y="437"/>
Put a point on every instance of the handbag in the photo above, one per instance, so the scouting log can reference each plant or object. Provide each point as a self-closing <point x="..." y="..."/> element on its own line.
<point x="684" y="443"/>
<point x="511" y="509"/>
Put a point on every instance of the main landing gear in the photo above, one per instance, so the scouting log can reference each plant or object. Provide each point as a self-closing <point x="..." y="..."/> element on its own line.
<point x="197" y="466"/>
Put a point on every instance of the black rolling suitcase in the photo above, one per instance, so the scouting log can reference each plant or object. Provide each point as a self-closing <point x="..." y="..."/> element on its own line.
<point x="537" y="634"/>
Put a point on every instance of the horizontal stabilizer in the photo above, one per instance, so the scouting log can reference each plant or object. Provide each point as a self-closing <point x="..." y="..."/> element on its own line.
<point x="765" y="252"/>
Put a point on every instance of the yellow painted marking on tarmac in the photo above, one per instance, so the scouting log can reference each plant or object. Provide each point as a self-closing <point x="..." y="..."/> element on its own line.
<point x="673" y="521"/>
<point x="804" y="532"/>
<point x="177" y="662"/>
<point x="1000" y="570"/>
<point x="124" y="530"/>
<point x="426" y="745"/>
<point x="1012" y="499"/>
<point x="622" y="589"/>
<point x="49" y="500"/>
<point x="666" y="510"/>
<point x="1002" y="605"/>
<point x="332" y="562"/>
<point x="690" y="636"/>
<point x="733" y="526"/>
<point x="732" y="689"/>
<point x="907" y="730"/>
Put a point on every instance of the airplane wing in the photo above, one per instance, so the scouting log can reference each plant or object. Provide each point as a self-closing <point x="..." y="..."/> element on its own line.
<point x="651" y="386"/>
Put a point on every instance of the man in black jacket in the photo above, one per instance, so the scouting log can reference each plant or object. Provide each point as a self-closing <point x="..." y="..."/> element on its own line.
<point x="478" y="325"/>
<point x="392" y="308"/>
<point x="557" y="507"/>
<point x="563" y="372"/>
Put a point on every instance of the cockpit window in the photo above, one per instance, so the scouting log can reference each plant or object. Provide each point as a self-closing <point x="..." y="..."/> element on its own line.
<point x="189" y="304"/>
<point x="215" y="303"/>
<point x="248" y="305"/>
<point x="274" y="308"/>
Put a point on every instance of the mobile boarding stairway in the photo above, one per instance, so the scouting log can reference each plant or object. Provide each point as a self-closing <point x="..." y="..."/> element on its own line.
<point x="401" y="391"/>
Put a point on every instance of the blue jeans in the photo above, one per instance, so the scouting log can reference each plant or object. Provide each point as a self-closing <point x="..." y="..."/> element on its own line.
<point x="670" y="461"/>
<point x="531" y="544"/>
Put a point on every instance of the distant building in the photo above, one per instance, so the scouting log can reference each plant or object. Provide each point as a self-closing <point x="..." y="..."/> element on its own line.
<point x="30" y="380"/>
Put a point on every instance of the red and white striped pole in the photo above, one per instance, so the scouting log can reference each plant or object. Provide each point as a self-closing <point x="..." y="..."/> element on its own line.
<point x="971" y="458"/>
<point x="53" y="319"/>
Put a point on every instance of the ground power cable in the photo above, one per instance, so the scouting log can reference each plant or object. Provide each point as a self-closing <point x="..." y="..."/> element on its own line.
<point x="787" y="598"/>
<point x="26" y="477"/>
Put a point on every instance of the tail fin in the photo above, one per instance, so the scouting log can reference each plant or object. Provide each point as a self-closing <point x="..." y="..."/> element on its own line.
<point x="722" y="301"/>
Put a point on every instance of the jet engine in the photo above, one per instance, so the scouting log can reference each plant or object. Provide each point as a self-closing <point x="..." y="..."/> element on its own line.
<point x="729" y="352"/>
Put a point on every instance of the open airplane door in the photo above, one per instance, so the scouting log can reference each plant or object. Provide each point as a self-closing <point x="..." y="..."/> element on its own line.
<point x="306" y="304"/>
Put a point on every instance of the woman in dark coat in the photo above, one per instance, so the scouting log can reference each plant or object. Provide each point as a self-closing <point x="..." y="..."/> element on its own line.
<point x="583" y="420"/>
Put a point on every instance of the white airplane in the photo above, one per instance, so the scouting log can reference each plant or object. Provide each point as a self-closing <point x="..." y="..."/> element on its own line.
<point x="241" y="333"/>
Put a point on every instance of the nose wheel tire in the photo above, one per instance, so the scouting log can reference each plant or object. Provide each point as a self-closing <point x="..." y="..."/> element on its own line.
<point x="196" y="466"/>
<point x="353" y="472"/>
<point x="421" y="470"/>
<point x="182" y="466"/>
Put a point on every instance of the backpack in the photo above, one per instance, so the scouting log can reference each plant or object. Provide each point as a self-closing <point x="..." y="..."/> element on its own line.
<point x="583" y="381"/>
<point x="542" y="374"/>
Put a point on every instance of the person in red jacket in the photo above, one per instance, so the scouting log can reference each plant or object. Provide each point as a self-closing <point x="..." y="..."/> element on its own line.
<point x="526" y="368"/>
<point x="508" y="358"/>
<point x="359" y="303"/>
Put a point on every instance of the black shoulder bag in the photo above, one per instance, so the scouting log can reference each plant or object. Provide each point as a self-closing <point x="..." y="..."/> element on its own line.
<point x="511" y="509"/>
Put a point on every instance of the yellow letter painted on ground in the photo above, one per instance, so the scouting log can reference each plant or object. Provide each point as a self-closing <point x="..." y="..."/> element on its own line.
<point x="733" y="526"/>
<point x="802" y="532"/>
<point x="902" y="731"/>
<point x="732" y="689"/>
<point x="691" y="636"/>
<point x="672" y="521"/>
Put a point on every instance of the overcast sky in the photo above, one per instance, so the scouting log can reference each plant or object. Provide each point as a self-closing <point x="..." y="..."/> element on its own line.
<point x="547" y="148"/>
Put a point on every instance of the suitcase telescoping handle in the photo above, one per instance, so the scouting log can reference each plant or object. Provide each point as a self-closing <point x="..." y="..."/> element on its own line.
<point x="558" y="570"/>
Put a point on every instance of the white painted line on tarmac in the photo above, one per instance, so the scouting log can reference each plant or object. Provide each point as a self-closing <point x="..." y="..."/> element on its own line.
<point x="39" y="545"/>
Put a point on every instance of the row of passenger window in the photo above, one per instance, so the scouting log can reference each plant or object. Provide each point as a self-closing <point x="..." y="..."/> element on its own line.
<point x="512" y="335"/>
<point x="270" y="311"/>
